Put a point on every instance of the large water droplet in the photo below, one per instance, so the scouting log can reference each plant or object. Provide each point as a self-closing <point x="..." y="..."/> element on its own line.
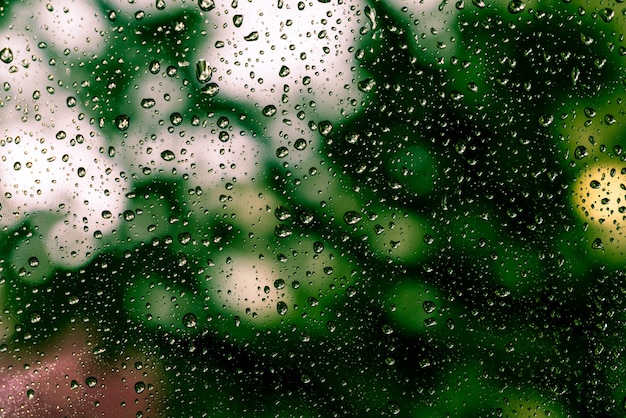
<point x="203" y="71"/>
<point x="253" y="36"/>
<point x="122" y="122"/>
<point x="6" y="55"/>
<point x="281" y="308"/>
<point x="168" y="155"/>
<point x="190" y="320"/>
<point x="206" y="5"/>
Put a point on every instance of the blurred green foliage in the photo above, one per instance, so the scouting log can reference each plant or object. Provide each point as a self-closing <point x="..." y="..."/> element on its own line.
<point x="434" y="263"/>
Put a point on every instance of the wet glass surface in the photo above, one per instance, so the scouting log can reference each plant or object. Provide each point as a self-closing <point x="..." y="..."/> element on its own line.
<point x="312" y="208"/>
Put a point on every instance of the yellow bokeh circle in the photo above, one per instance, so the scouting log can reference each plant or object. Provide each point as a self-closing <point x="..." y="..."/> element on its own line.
<point x="599" y="199"/>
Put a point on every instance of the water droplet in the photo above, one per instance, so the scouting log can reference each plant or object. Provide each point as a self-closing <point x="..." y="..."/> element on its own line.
<point x="122" y="122"/>
<point x="128" y="215"/>
<point x="545" y="120"/>
<point x="282" y="152"/>
<point x="595" y="184"/>
<point x="91" y="381"/>
<point x="429" y="306"/>
<point x="106" y="214"/>
<point x="184" y="238"/>
<point x="609" y="119"/>
<point x="269" y="110"/>
<point x="6" y="55"/>
<point x="281" y="308"/>
<point x="282" y="231"/>
<point x="211" y="89"/>
<point x="351" y="291"/>
<point x="279" y="284"/>
<point x="300" y="144"/>
<point x="140" y="387"/>
<point x="479" y="3"/>
<point x="223" y="136"/>
<point x="580" y="152"/>
<point x="352" y="217"/>
<point x="190" y="320"/>
<point x="206" y="5"/>
<point x="17" y="166"/>
<point x="237" y="20"/>
<point x="176" y="118"/>
<point x="318" y="247"/>
<point x="597" y="244"/>
<point x="35" y="317"/>
<point x="590" y="112"/>
<point x="367" y="85"/>
<point x="33" y="262"/>
<point x="331" y="326"/>
<point x="516" y="6"/>
<point x="81" y="171"/>
<point x="148" y="103"/>
<point x="71" y="101"/>
<point x="252" y="36"/>
<point x="607" y="14"/>
<point x="30" y="393"/>
<point x="155" y="67"/>
<point x="282" y="213"/>
<point x="168" y="155"/>
<point x="203" y="71"/>
<point x="325" y="127"/>
<point x="284" y="71"/>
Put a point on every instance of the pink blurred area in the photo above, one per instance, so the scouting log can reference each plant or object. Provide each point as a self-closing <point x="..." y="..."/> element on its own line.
<point x="64" y="378"/>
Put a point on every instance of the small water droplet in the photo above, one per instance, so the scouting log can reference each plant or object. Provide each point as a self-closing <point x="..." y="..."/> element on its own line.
<point x="325" y="127"/>
<point x="352" y="217"/>
<point x="237" y="20"/>
<point x="590" y="112"/>
<point x="35" y="317"/>
<point x="300" y="144"/>
<point x="545" y="120"/>
<point x="393" y="407"/>
<point x="17" y="166"/>
<point x="282" y="152"/>
<point x="176" y="118"/>
<point x="429" y="306"/>
<point x="122" y="122"/>
<point x="30" y="393"/>
<point x="516" y="6"/>
<point x="148" y="103"/>
<point x="281" y="308"/>
<point x="155" y="67"/>
<point x="367" y="85"/>
<point x="211" y="89"/>
<point x="128" y="215"/>
<point x="203" y="71"/>
<point x="71" y="101"/>
<point x="190" y="320"/>
<point x="318" y="247"/>
<point x="252" y="36"/>
<point x="168" y="155"/>
<point x="91" y="381"/>
<point x="284" y="71"/>
<point x="6" y="55"/>
<point x="140" y="387"/>
<point x="81" y="171"/>
<point x="206" y="5"/>
<point x="595" y="184"/>
<point x="282" y="231"/>
<point x="580" y="152"/>
<point x="607" y="14"/>
<point x="269" y="110"/>
<point x="184" y="238"/>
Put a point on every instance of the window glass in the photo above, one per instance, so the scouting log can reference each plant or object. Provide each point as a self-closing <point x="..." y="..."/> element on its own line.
<point x="312" y="208"/>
